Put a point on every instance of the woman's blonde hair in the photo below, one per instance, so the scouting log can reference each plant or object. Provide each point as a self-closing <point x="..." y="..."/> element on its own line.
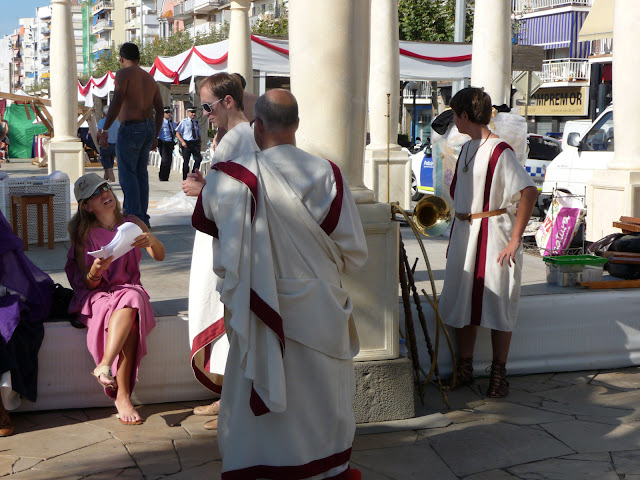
<point x="82" y="221"/>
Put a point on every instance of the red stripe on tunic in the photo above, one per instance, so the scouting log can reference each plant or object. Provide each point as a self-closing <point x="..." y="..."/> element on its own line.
<point x="477" y="292"/>
<point x="330" y="222"/>
<point x="258" y="407"/>
<point x="243" y="175"/>
<point x="200" y="222"/>
<point x="297" y="472"/>
<point x="204" y="340"/>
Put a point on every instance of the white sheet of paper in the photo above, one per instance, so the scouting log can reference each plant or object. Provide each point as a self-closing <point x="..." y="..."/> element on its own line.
<point x="121" y="243"/>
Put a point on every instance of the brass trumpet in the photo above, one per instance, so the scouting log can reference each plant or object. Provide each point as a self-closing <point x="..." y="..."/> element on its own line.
<point x="432" y="216"/>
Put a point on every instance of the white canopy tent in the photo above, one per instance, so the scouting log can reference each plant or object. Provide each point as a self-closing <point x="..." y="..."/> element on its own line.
<point x="418" y="61"/>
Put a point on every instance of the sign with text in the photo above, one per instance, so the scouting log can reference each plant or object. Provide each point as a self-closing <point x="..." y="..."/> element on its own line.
<point x="526" y="58"/>
<point x="561" y="101"/>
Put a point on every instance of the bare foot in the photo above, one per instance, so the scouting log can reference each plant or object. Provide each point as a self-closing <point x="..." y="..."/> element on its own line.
<point x="127" y="412"/>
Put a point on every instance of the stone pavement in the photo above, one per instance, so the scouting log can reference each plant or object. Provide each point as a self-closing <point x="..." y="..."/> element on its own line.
<point x="564" y="426"/>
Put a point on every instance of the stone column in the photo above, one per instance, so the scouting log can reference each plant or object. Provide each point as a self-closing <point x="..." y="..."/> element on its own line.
<point x="329" y="58"/>
<point x="616" y="191"/>
<point x="491" y="52"/>
<point x="65" y="149"/>
<point x="240" y="59"/>
<point x="384" y="94"/>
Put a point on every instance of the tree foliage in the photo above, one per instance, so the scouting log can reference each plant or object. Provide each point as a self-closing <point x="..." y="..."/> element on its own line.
<point x="177" y="43"/>
<point x="432" y="20"/>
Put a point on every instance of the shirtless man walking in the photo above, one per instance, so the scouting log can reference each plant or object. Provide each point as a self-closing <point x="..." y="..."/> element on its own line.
<point x="135" y="98"/>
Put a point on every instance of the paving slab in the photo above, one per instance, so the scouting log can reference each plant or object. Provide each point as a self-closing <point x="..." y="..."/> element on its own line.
<point x="52" y="442"/>
<point x="155" y="458"/>
<point x="492" y="446"/>
<point x="384" y="440"/>
<point x="491" y="475"/>
<point x="564" y="469"/>
<point x="6" y="464"/>
<point x="520" y="415"/>
<point x="197" y="451"/>
<point x="402" y="463"/>
<point x="435" y="420"/>
<point x="626" y="379"/>
<point x="588" y="437"/>
<point x="42" y="475"/>
<point x="25" y="463"/>
<point x="627" y="462"/>
<point x="575" y="377"/>
<point x="369" y="474"/>
<point x="208" y="470"/>
<point x="107" y="455"/>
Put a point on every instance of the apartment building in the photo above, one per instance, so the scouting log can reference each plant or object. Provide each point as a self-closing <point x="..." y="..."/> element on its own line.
<point x="6" y="54"/>
<point x="43" y="43"/>
<point x="141" y="21"/>
<point x="564" y="92"/>
<point x="107" y="25"/>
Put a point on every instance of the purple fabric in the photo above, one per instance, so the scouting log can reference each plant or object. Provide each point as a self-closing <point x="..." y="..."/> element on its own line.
<point x="119" y="288"/>
<point x="33" y="287"/>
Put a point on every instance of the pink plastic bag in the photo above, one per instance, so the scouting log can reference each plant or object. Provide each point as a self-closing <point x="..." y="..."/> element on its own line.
<point x="560" y="226"/>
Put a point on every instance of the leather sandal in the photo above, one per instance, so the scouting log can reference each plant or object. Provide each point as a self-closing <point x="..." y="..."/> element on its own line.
<point x="498" y="384"/>
<point x="210" y="410"/>
<point x="464" y="374"/>
<point x="106" y="371"/>
<point x="6" y="425"/>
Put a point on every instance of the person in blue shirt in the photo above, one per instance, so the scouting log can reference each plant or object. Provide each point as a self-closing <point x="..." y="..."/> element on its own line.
<point x="166" y="140"/>
<point x="108" y="154"/>
<point x="188" y="134"/>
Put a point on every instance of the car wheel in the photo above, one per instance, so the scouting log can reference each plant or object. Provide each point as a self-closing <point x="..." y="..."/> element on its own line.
<point x="415" y="194"/>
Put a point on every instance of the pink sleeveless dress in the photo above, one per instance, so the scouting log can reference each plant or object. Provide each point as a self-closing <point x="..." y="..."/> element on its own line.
<point x="119" y="288"/>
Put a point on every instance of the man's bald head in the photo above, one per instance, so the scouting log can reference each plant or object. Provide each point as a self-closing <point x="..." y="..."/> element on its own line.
<point x="277" y="110"/>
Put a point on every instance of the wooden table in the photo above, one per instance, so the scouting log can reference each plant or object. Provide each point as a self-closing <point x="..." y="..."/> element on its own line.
<point x="38" y="199"/>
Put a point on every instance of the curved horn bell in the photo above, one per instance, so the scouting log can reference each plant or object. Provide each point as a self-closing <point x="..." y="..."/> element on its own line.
<point x="432" y="216"/>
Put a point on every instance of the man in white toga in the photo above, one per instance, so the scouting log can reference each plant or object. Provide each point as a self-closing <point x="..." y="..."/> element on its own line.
<point x="287" y="229"/>
<point x="222" y="97"/>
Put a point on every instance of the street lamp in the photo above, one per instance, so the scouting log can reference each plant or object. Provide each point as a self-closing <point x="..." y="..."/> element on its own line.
<point x="413" y="86"/>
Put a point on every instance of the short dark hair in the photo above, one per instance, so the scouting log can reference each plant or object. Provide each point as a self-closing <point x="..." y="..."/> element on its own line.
<point x="276" y="116"/>
<point x="222" y="84"/>
<point x="243" y="82"/>
<point x="475" y="101"/>
<point x="130" y="51"/>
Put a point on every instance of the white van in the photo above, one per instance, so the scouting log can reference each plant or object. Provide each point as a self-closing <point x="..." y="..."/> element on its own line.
<point x="572" y="170"/>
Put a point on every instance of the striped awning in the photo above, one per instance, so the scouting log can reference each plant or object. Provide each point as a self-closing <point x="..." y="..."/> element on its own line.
<point x="558" y="30"/>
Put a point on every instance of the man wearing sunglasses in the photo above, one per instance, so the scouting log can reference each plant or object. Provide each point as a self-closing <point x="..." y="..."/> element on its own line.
<point x="188" y="134"/>
<point x="137" y="103"/>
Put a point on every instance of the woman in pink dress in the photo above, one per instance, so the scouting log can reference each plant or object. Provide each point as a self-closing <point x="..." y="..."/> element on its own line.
<point x="108" y="296"/>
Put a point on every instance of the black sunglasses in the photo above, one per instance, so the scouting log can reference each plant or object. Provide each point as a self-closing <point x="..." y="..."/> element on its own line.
<point x="102" y="188"/>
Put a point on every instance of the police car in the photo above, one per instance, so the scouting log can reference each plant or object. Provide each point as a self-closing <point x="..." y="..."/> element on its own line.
<point x="542" y="149"/>
<point x="421" y="173"/>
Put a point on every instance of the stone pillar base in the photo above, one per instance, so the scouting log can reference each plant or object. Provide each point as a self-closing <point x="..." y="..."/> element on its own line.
<point x="375" y="175"/>
<point x="67" y="157"/>
<point x="611" y="194"/>
<point x="384" y="391"/>
<point x="374" y="288"/>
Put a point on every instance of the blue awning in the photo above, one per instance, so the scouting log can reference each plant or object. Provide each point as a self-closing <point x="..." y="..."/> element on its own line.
<point x="558" y="30"/>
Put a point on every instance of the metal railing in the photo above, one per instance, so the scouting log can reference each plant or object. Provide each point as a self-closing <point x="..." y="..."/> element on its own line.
<point x="208" y="3"/>
<point x="101" y="45"/>
<point x="520" y="7"/>
<point x="424" y="91"/>
<point x="101" y="25"/>
<point x="565" y="70"/>
<point x="133" y="24"/>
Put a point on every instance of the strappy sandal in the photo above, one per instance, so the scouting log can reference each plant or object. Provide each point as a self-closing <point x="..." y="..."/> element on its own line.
<point x="106" y="371"/>
<point x="464" y="374"/>
<point x="498" y="384"/>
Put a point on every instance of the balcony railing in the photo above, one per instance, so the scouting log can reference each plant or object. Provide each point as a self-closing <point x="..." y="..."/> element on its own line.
<point x="424" y="91"/>
<point x="102" y="25"/>
<point x="527" y="6"/>
<point x="102" y="5"/>
<point x="100" y="45"/>
<point x="131" y="3"/>
<point x="565" y="70"/>
<point x="44" y="46"/>
<point x="203" y="4"/>
<point x="133" y="24"/>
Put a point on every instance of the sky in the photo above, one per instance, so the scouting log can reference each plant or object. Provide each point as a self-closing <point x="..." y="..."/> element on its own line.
<point x="9" y="20"/>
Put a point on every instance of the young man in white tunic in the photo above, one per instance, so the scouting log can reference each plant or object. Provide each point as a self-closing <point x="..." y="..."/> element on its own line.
<point x="222" y="101"/>
<point x="484" y="259"/>
<point x="288" y="229"/>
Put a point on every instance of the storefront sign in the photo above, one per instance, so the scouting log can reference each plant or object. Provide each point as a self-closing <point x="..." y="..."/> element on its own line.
<point x="562" y="101"/>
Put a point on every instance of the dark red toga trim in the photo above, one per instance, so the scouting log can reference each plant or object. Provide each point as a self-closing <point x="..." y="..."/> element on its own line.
<point x="258" y="407"/>
<point x="330" y="222"/>
<point x="298" y="472"/>
<point x="200" y="222"/>
<point x="243" y="175"/>
<point x="204" y="340"/>
<point x="481" y="250"/>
